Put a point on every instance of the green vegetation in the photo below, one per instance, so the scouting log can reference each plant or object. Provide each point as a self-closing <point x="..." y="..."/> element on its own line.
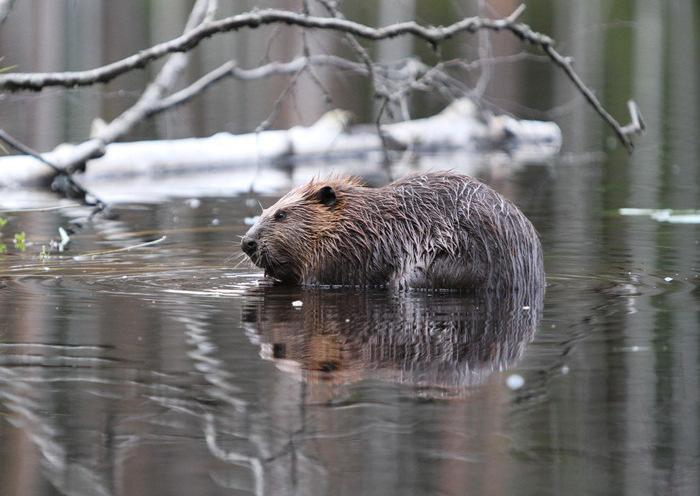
<point x="3" y="246"/>
<point x="19" y="239"/>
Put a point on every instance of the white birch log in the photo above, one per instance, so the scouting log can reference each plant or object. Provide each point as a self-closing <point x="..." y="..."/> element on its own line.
<point x="459" y="127"/>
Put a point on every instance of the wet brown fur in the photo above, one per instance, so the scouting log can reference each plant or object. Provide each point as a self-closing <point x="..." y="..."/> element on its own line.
<point x="433" y="230"/>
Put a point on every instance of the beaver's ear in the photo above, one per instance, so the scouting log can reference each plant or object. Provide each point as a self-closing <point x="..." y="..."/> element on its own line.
<point x="326" y="195"/>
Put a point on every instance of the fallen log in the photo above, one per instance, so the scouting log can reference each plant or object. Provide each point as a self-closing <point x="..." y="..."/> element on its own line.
<point x="459" y="127"/>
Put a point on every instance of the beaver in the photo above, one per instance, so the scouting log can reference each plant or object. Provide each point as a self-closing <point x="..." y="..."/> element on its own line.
<point x="438" y="230"/>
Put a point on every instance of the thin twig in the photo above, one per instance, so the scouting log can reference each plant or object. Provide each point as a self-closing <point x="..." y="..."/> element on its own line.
<point x="39" y="209"/>
<point x="264" y="125"/>
<point x="378" y="90"/>
<point x="307" y="53"/>
<point x="499" y="59"/>
<point x="485" y="51"/>
<point x="382" y="137"/>
<point x="26" y="150"/>
<point x="623" y="132"/>
<point x="354" y="44"/>
<point x="63" y="182"/>
<point x="86" y="256"/>
<point x="230" y="69"/>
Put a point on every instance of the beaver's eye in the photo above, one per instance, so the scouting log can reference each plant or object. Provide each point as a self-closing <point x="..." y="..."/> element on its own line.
<point x="280" y="215"/>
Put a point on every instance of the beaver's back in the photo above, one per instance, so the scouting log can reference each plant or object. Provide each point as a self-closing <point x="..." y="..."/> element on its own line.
<point x="466" y="235"/>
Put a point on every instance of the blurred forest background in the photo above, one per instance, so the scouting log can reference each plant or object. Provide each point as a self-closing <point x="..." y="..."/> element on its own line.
<point x="622" y="49"/>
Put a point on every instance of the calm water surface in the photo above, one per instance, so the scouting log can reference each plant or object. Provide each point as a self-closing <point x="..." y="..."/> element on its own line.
<point x="165" y="370"/>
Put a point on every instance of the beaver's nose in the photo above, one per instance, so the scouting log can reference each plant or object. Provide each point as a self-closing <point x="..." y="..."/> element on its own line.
<point x="249" y="245"/>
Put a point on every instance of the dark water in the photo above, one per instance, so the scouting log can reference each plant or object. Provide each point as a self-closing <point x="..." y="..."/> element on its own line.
<point x="163" y="370"/>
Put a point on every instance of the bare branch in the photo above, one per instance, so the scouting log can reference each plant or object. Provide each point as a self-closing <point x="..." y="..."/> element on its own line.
<point x="190" y="39"/>
<point x="500" y="59"/>
<point x="354" y="44"/>
<point x="198" y="87"/>
<point x="154" y="92"/>
<point x="386" y="162"/>
<point x="64" y="183"/>
<point x="515" y="15"/>
<point x="623" y="133"/>
<point x="379" y="91"/>
<point x="307" y="53"/>
<point x="422" y="76"/>
<point x="231" y="69"/>
<point x="22" y="148"/>
<point x="432" y="35"/>
<point x="485" y="52"/>
<point x="264" y="125"/>
<point x="637" y="124"/>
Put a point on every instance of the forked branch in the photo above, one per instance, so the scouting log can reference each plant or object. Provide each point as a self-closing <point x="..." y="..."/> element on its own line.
<point x="254" y="19"/>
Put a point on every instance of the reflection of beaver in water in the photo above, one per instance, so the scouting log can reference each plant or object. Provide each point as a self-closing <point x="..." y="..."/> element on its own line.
<point x="434" y="340"/>
<point x="435" y="230"/>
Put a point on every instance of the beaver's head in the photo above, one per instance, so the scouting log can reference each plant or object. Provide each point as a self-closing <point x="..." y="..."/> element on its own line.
<point x="286" y="237"/>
